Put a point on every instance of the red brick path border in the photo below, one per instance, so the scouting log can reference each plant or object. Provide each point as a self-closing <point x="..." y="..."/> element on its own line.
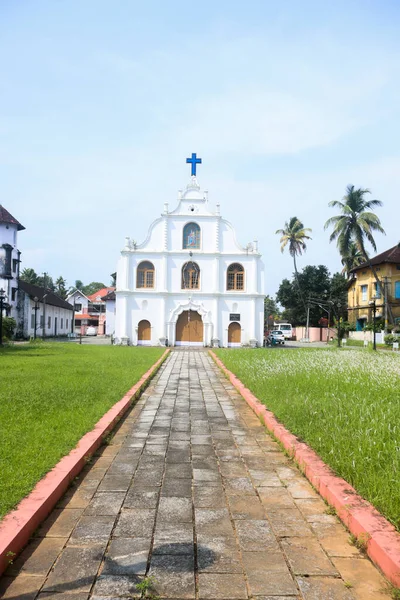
<point x="359" y="516"/>
<point x="17" y="527"/>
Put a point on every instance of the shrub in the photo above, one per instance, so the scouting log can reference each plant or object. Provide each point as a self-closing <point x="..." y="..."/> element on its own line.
<point x="391" y="337"/>
<point x="9" y="325"/>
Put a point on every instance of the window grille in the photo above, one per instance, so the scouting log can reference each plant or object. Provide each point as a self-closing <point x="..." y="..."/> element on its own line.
<point x="145" y="275"/>
<point x="235" y="277"/>
<point x="190" y="276"/>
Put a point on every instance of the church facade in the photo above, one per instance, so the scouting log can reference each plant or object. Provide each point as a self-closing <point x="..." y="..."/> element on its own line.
<point x="190" y="282"/>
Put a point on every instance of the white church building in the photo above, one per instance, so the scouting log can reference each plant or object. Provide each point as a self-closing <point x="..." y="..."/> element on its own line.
<point x="190" y="282"/>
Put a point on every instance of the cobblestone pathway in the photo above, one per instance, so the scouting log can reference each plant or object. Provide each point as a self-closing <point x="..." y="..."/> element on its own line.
<point x="193" y="492"/>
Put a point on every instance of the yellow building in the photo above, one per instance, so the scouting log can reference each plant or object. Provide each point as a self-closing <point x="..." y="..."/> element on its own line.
<point x="363" y="290"/>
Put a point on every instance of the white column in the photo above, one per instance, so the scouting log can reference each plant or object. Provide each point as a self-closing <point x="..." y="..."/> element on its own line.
<point x="165" y="263"/>
<point x="252" y="331"/>
<point x="215" y="332"/>
<point x="217" y="231"/>
<point x="121" y="318"/>
<point x="216" y="274"/>
<point x="123" y="276"/>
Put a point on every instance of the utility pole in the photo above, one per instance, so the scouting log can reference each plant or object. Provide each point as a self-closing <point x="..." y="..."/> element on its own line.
<point x="308" y="323"/>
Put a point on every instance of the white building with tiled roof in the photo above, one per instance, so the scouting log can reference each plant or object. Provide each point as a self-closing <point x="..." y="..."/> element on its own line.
<point x="9" y="260"/>
<point x="190" y="282"/>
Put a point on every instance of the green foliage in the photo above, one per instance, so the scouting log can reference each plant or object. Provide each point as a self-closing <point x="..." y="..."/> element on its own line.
<point x="146" y="587"/>
<point x="344" y="404"/>
<point x="355" y="224"/>
<point x="88" y="289"/>
<point x="51" y="394"/>
<point x="352" y="258"/>
<point x="30" y="276"/>
<point x="9" y="326"/>
<point x="316" y="283"/>
<point x="271" y="312"/>
<point x="390" y="338"/>
<point x="45" y="280"/>
<point x="93" y="287"/>
<point x="379" y="325"/>
<point x="79" y="285"/>
<point x="61" y="287"/>
<point x="360" y="541"/>
<point x="294" y="235"/>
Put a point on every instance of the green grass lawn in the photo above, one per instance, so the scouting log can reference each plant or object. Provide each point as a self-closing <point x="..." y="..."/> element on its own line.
<point x="50" y="396"/>
<point x="344" y="403"/>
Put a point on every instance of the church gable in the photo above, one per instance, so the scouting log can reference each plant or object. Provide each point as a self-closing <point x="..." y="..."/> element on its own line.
<point x="154" y="241"/>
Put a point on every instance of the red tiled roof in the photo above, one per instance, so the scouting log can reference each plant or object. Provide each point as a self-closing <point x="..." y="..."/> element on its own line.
<point x="100" y="293"/>
<point x="389" y="256"/>
<point x="6" y="217"/>
<point x="84" y="316"/>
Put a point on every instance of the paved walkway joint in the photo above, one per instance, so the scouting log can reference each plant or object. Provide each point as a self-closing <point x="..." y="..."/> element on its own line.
<point x="195" y="498"/>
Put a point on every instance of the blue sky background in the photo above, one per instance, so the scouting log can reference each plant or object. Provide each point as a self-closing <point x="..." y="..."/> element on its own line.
<point x="101" y="102"/>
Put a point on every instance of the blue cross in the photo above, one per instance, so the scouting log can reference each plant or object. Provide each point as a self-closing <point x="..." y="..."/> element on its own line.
<point x="194" y="161"/>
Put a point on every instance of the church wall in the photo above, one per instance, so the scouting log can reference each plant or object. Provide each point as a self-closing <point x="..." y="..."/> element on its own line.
<point x="227" y="238"/>
<point x="146" y="306"/>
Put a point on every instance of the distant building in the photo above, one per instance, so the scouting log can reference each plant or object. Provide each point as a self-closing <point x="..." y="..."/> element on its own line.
<point x="41" y="311"/>
<point x="9" y="260"/>
<point x="363" y="290"/>
<point x="90" y="311"/>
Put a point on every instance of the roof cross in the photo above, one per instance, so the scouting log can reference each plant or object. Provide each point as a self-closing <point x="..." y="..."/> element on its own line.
<point x="194" y="161"/>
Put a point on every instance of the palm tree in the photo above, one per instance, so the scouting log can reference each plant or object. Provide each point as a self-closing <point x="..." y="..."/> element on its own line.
<point x="355" y="224"/>
<point x="352" y="259"/>
<point x="294" y="235"/>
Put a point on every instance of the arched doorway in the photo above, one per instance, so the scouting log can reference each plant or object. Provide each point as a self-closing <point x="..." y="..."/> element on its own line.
<point x="144" y="333"/>
<point x="234" y="335"/>
<point x="189" y="329"/>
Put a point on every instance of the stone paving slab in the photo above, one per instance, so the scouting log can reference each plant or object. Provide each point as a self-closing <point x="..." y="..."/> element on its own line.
<point x="193" y="492"/>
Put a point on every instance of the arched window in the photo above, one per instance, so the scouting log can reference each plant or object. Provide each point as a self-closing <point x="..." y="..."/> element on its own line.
<point x="191" y="236"/>
<point x="190" y="276"/>
<point x="235" y="277"/>
<point x="145" y="275"/>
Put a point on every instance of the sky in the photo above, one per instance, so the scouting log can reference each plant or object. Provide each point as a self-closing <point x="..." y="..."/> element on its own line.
<point x="285" y="102"/>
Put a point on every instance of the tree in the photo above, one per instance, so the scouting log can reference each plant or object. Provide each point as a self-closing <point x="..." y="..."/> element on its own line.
<point x="353" y="258"/>
<point x="355" y="223"/>
<point x="46" y="281"/>
<point x="323" y="292"/>
<point x="92" y="287"/>
<point x="79" y="285"/>
<point x="294" y="235"/>
<point x="271" y="312"/>
<point x="30" y="276"/>
<point x="61" y="287"/>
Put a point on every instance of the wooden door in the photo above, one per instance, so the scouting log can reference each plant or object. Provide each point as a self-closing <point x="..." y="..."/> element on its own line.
<point x="144" y="331"/>
<point x="189" y="327"/>
<point x="234" y="333"/>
